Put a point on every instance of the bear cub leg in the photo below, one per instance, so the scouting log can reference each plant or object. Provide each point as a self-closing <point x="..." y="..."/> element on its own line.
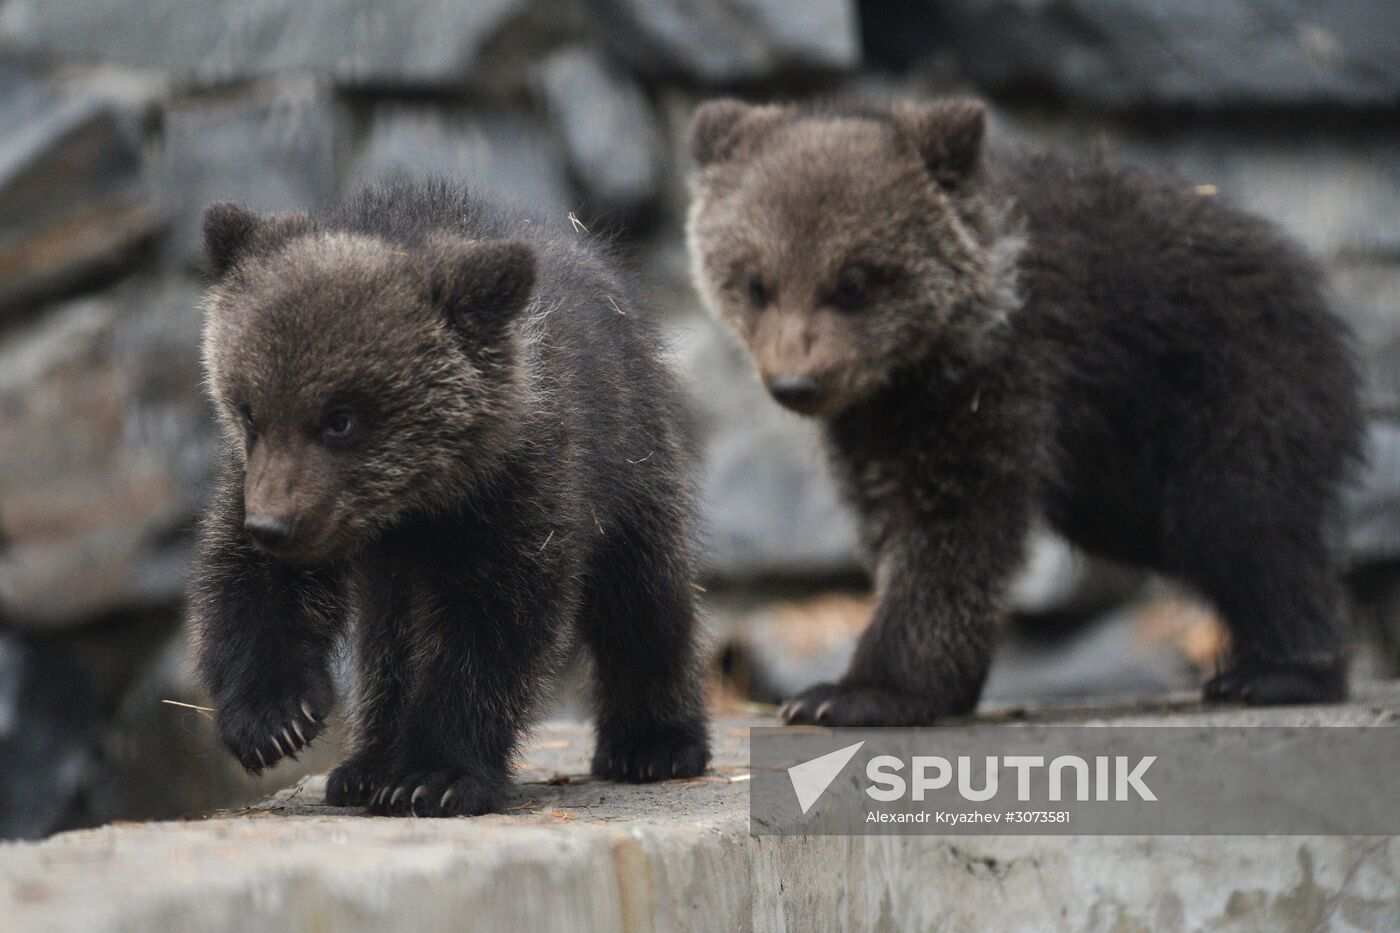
<point x="264" y="635"/>
<point x="466" y="692"/>
<point x="638" y="621"/>
<point x="384" y="677"/>
<point x="1279" y="598"/>
<point x="942" y="571"/>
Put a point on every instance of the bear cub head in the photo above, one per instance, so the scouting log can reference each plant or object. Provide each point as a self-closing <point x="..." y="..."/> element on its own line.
<point x="847" y="246"/>
<point x="358" y="379"/>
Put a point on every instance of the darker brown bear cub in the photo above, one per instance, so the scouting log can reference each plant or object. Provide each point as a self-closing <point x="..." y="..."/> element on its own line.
<point x="448" y="431"/>
<point x="991" y="337"/>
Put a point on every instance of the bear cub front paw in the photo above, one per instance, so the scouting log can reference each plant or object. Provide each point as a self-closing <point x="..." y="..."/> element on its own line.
<point x="439" y="793"/>
<point x="261" y="732"/>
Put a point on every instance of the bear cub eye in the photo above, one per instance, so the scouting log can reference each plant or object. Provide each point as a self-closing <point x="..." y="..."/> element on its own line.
<point x="245" y="411"/>
<point x="850" y="293"/>
<point x="339" y="425"/>
<point x="758" y="292"/>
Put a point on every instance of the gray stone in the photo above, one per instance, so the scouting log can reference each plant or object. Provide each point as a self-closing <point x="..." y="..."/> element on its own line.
<point x="505" y="156"/>
<point x="1383" y="359"/>
<point x="1059" y="579"/>
<point x="1113" y="655"/>
<point x="1196" y="53"/>
<point x="576" y="854"/>
<point x="105" y="454"/>
<point x="47" y="718"/>
<point x="1337" y="192"/>
<point x="898" y="35"/>
<point x="769" y="508"/>
<point x="359" y="42"/>
<point x="73" y="201"/>
<point x="1373" y="502"/>
<point x="727" y="41"/>
<point x="777" y="646"/>
<point x="774" y="645"/>
<point x="610" y="136"/>
<point x="271" y="155"/>
<point x="1368" y="293"/>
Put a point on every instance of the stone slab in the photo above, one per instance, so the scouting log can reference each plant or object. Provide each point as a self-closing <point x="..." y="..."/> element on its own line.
<point x="577" y="854"/>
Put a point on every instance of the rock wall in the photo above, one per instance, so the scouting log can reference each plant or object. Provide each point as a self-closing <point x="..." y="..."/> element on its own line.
<point x="119" y="119"/>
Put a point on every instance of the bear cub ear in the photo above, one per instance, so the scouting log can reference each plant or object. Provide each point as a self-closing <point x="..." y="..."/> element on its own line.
<point x="719" y="127"/>
<point x="231" y="231"/>
<point x="948" y="135"/>
<point x="480" y="284"/>
<point x="228" y="232"/>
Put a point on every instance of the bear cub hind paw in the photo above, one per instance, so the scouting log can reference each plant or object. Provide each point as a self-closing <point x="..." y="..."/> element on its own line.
<point x="354" y="781"/>
<point x="1261" y="683"/>
<point x="857" y="705"/>
<point x="678" y="753"/>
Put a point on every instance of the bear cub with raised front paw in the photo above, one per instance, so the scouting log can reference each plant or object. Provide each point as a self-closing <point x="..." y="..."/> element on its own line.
<point x="448" y="432"/>
<point x="991" y="336"/>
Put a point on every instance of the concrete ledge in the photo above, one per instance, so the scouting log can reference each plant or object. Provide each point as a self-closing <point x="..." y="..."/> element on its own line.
<point x="576" y="854"/>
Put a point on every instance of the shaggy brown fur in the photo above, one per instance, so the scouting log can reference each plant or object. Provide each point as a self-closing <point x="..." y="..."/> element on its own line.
<point x="439" y="424"/>
<point x="989" y="336"/>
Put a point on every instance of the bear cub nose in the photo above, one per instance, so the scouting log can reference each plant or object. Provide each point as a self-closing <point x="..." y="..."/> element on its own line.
<point x="797" y="392"/>
<point x="268" y="530"/>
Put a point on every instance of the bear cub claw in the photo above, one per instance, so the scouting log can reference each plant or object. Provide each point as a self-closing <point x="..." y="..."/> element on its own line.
<point x="354" y="781"/>
<point x="1260" y="683"/>
<point x="260" y="738"/>
<point x="857" y="705"/>
<point x="437" y="794"/>
<point x="683" y="753"/>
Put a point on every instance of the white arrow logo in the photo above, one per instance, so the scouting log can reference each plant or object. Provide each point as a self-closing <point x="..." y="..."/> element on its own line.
<point x="811" y="778"/>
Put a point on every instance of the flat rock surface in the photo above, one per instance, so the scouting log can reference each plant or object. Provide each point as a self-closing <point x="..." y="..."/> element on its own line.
<point x="242" y="869"/>
<point x="573" y="853"/>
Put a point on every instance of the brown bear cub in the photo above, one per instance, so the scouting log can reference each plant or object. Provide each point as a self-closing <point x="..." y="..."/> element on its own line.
<point x="990" y="337"/>
<point x="449" y="432"/>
